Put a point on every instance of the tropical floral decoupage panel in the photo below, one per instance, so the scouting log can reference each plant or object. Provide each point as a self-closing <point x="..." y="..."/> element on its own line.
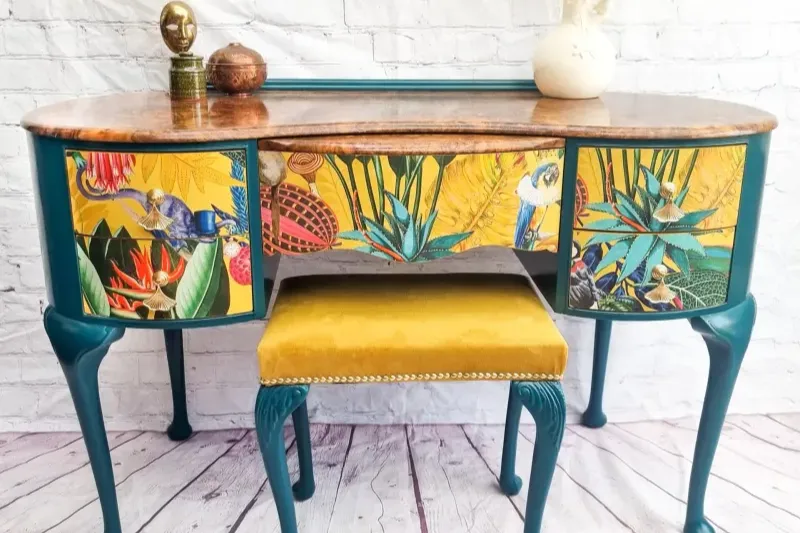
<point x="661" y="227"/>
<point x="625" y="272"/>
<point x="161" y="235"/>
<point x="640" y="190"/>
<point x="410" y="208"/>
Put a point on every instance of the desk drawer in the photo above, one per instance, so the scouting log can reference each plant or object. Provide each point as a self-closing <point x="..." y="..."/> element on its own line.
<point x="654" y="229"/>
<point x="181" y="195"/>
<point x="410" y="198"/>
<point x="149" y="279"/>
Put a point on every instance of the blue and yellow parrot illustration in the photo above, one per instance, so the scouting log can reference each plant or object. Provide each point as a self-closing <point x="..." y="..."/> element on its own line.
<point x="537" y="190"/>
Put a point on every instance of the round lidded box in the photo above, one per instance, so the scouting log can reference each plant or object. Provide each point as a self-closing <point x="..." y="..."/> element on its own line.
<point x="236" y="70"/>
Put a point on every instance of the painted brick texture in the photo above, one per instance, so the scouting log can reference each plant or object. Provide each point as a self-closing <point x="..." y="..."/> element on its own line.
<point x="736" y="50"/>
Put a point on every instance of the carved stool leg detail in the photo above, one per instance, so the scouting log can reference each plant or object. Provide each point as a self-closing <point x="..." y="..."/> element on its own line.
<point x="304" y="488"/>
<point x="594" y="417"/>
<point x="273" y="406"/>
<point x="545" y="401"/>
<point x="80" y="349"/>
<point x="179" y="429"/>
<point x="727" y="336"/>
<point x="510" y="482"/>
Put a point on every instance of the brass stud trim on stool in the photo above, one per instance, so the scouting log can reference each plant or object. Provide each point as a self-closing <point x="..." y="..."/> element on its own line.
<point x="447" y="376"/>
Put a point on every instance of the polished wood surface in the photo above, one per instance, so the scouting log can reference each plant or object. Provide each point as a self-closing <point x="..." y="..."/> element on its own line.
<point x="410" y="143"/>
<point x="151" y="117"/>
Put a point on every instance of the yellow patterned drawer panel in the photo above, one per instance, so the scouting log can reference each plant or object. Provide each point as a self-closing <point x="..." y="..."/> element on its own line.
<point x="148" y="279"/>
<point x="660" y="190"/>
<point x="410" y="208"/>
<point x="176" y="196"/>
<point x="649" y="272"/>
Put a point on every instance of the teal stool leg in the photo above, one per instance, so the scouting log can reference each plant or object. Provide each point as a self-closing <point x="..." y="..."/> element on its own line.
<point x="510" y="482"/>
<point x="594" y="417"/>
<point x="80" y="349"/>
<point x="304" y="488"/>
<point x="273" y="406"/>
<point x="727" y="336"/>
<point x="179" y="429"/>
<point x="545" y="401"/>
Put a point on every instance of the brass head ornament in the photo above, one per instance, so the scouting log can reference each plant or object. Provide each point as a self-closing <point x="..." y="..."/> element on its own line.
<point x="178" y="27"/>
<point x="187" y="76"/>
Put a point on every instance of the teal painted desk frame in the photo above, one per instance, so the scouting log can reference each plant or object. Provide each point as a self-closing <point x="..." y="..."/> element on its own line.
<point x="81" y="342"/>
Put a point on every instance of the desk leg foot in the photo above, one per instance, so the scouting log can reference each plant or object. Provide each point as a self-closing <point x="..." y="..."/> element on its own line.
<point x="179" y="429"/>
<point x="699" y="527"/>
<point x="80" y="349"/>
<point x="727" y="336"/>
<point x="545" y="401"/>
<point x="273" y="406"/>
<point x="594" y="417"/>
<point x="304" y="488"/>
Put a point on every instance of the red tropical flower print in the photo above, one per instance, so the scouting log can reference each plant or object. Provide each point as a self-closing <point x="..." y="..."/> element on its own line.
<point x="144" y="271"/>
<point x="117" y="301"/>
<point x="143" y="281"/>
<point x="110" y="171"/>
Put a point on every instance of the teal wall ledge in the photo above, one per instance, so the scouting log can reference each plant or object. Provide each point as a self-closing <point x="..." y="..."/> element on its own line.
<point x="340" y="84"/>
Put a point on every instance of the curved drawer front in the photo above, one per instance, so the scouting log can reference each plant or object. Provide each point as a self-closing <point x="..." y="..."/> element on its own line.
<point x="161" y="236"/>
<point x="654" y="228"/>
<point x="410" y="208"/>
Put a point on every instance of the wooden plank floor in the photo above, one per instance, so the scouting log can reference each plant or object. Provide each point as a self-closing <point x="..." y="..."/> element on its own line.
<point x="421" y="479"/>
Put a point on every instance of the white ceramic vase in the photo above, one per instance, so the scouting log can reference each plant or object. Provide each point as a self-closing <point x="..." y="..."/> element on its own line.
<point x="576" y="60"/>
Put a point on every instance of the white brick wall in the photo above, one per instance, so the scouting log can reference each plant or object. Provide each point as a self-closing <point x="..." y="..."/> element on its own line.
<point x="736" y="50"/>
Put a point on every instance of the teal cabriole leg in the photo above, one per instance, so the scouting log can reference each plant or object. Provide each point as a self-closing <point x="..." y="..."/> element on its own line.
<point x="304" y="488"/>
<point x="80" y="349"/>
<point x="594" y="417"/>
<point x="273" y="406"/>
<point x="179" y="429"/>
<point x="727" y="335"/>
<point x="510" y="482"/>
<point x="545" y="401"/>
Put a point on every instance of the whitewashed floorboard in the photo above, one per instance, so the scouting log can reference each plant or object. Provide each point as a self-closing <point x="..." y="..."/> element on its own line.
<point x="742" y="496"/>
<point x="639" y="503"/>
<point x="624" y="477"/>
<point x="72" y="492"/>
<point x="753" y="451"/>
<point x="329" y="448"/>
<point x="216" y="499"/>
<point x="146" y="491"/>
<point x="377" y="489"/>
<point x="565" y="495"/>
<point x="6" y="438"/>
<point x="769" y="431"/>
<point x="459" y="493"/>
<point x="31" y="446"/>
<point x="790" y="420"/>
<point x="26" y="478"/>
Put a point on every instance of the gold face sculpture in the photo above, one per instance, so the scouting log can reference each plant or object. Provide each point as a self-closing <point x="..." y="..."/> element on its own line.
<point x="178" y="27"/>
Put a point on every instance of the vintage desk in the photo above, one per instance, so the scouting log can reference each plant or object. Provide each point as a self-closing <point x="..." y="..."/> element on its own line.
<point x="167" y="215"/>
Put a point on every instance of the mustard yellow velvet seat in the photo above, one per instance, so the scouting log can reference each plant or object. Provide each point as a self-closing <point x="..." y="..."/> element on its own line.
<point x="357" y="329"/>
<point x="370" y="328"/>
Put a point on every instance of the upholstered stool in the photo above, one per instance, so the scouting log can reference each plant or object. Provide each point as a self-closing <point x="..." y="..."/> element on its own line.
<point x="376" y="329"/>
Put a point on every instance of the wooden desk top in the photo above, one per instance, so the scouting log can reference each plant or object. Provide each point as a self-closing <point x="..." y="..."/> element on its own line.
<point x="151" y="117"/>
